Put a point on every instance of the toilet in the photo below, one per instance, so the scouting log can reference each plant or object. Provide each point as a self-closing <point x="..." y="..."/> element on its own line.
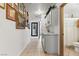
<point x="76" y="46"/>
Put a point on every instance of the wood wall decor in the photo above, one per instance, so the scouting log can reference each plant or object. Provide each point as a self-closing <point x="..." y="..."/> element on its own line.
<point x="10" y="12"/>
<point x="17" y="12"/>
<point x="21" y="22"/>
<point x="16" y="6"/>
<point x="21" y="8"/>
<point x="13" y="5"/>
<point x="21" y="17"/>
<point x="2" y="5"/>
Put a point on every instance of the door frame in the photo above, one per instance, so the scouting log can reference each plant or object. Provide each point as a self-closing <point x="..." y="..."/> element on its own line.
<point x="62" y="29"/>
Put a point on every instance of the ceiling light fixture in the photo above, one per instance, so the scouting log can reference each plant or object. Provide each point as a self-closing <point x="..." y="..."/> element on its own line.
<point x="39" y="12"/>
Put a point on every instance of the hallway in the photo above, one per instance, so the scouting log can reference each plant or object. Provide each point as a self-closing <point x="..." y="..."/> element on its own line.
<point x="22" y="23"/>
<point x="34" y="49"/>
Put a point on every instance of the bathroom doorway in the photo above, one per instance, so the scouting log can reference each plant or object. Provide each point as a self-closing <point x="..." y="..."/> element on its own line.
<point x="69" y="21"/>
<point x="62" y="29"/>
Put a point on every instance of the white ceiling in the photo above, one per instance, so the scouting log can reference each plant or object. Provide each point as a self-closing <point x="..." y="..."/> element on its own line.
<point x="72" y="9"/>
<point x="34" y="7"/>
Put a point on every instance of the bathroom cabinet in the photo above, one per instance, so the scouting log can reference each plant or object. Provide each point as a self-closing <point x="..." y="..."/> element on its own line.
<point x="50" y="43"/>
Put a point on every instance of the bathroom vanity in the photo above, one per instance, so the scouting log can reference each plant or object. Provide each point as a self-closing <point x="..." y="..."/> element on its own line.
<point x="50" y="43"/>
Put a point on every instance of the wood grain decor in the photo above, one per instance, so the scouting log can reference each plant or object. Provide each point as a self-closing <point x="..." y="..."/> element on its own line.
<point x="10" y="12"/>
<point x="2" y="5"/>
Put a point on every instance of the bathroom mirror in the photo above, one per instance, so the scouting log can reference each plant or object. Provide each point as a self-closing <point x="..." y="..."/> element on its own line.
<point x="34" y="29"/>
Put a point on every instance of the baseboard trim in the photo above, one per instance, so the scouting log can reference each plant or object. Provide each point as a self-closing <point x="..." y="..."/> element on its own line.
<point x="19" y="54"/>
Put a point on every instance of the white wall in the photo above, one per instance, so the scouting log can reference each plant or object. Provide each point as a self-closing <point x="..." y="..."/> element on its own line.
<point x="70" y="31"/>
<point x="12" y="40"/>
<point x="43" y="25"/>
<point x="70" y="9"/>
<point x="55" y="24"/>
<point x="53" y="18"/>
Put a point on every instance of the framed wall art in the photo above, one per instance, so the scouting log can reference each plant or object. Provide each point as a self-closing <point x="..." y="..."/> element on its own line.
<point x="21" y="22"/>
<point x="16" y="6"/>
<point x="21" y="8"/>
<point x="10" y="13"/>
<point x="13" y="5"/>
<point x="2" y="5"/>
